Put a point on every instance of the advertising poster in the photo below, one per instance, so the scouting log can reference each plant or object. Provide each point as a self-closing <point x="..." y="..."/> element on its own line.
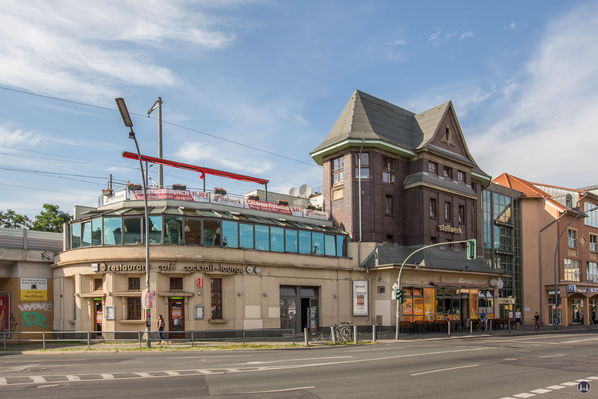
<point x="34" y="290"/>
<point x="407" y="307"/>
<point x="360" y="298"/>
<point x="4" y="312"/>
<point x="473" y="305"/>
<point x="418" y="306"/>
<point x="429" y="303"/>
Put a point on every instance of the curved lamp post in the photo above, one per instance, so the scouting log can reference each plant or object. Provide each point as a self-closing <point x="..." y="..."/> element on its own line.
<point x="122" y="107"/>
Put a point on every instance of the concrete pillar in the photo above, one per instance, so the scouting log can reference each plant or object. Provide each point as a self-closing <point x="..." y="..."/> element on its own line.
<point x="566" y="312"/>
<point x="587" y="314"/>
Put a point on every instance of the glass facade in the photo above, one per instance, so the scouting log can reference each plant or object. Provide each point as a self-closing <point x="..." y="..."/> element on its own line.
<point x="207" y="228"/>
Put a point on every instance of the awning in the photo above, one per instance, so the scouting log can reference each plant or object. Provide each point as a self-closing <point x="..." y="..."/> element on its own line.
<point x="459" y="285"/>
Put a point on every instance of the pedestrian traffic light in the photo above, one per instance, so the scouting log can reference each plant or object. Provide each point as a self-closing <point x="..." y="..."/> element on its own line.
<point x="471" y="249"/>
<point x="400" y="295"/>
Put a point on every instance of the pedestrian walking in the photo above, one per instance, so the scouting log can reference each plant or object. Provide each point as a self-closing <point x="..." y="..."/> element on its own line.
<point x="518" y="317"/>
<point x="537" y="321"/>
<point x="160" y="328"/>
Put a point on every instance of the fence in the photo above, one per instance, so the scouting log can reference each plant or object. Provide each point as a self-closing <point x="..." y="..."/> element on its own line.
<point x="193" y="337"/>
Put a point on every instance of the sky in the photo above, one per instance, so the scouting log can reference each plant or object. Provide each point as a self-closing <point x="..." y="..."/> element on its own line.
<point x="251" y="87"/>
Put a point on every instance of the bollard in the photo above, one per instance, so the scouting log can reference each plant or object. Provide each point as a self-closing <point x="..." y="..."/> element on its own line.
<point x="355" y="335"/>
<point x="44" y="339"/>
<point x="306" y="337"/>
<point x="332" y="335"/>
<point x="4" y="337"/>
<point x="139" y="338"/>
<point x="192" y="338"/>
<point x="449" y="327"/>
<point x="293" y="336"/>
<point x="88" y="339"/>
<point x="490" y="322"/>
<point x="243" y="336"/>
<point x="374" y="333"/>
<point x="470" y="326"/>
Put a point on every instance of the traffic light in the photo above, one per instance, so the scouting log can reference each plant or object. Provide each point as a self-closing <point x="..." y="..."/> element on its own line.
<point x="400" y="295"/>
<point x="471" y="249"/>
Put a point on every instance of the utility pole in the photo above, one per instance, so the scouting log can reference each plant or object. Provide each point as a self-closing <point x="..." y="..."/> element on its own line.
<point x="158" y="104"/>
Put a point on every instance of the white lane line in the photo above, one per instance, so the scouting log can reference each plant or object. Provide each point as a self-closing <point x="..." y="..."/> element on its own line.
<point x="73" y="377"/>
<point x="592" y="378"/>
<point x="569" y="384"/>
<point x="283" y="390"/>
<point x="541" y="390"/>
<point x="452" y="368"/>
<point x="172" y="373"/>
<point x="37" y="379"/>
<point x="26" y="366"/>
<point x="209" y="372"/>
<point x="131" y="362"/>
<point x="545" y="357"/>
<point x="524" y="395"/>
<point x="294" y="360"/>
<point x="2" y="381"/>
<point x="144" y="375"/>
<point x="555" y="387"/>
<point x="107" y="376"/>
<point x="579" y="340"/>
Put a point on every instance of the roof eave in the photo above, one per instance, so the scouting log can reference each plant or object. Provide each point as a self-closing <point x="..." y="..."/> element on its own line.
<point x="319" y="155"/>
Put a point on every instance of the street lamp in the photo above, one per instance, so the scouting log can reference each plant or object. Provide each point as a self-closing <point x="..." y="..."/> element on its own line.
<point x="122" y="107"/>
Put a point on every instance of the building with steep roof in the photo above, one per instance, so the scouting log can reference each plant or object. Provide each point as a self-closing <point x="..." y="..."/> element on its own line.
<point x="560" y="232"/>
<point x="397" y="181"/>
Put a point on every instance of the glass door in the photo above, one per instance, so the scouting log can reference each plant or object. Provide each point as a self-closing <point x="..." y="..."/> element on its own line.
<point x="176" y="316"/>
<point x="99" y="317"/>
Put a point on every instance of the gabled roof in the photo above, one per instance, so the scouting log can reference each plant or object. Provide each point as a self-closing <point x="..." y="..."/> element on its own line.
<point x="390" y="127"/>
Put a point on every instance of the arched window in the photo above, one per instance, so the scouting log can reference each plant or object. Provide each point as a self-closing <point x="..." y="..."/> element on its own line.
<point x="569" y="201"/>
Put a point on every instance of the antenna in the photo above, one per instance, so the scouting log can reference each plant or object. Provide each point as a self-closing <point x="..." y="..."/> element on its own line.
<point x="305" y="190"/>
<point x="294" y="192"/>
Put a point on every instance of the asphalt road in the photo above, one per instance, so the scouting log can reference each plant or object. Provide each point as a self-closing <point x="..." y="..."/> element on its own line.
<point x="548" y="366"/>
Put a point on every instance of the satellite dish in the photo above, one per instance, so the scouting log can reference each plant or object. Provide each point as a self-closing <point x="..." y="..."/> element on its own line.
<point x="493" y="282"/>
<point x="294" y="192"/>
<point x="500" y="284"/>
<point x="305" y="190"/>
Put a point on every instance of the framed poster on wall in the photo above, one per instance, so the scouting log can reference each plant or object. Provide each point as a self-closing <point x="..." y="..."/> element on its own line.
<point x="360" y="298"/>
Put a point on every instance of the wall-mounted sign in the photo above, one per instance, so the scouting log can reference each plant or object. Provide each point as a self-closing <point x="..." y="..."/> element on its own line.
<point x="198" y="313"/>
<point x="34" y="289"/>
<point x="109" y="312"/>
<point x="450" y="229"/>
<point x="571" y="288"/>
<point x="360" y="298"/>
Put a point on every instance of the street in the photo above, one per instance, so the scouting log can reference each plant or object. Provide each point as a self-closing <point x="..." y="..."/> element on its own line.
<point x="549" y="365"/>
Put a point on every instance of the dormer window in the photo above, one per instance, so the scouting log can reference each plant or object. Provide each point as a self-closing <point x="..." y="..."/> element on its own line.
<point x="447" y="138"/>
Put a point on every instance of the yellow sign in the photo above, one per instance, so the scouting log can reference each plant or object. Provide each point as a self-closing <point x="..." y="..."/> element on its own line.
<point x="34" y="290"/>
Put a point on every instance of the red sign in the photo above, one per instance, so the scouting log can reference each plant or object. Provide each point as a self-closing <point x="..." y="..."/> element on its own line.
<point x="200" y="282"/>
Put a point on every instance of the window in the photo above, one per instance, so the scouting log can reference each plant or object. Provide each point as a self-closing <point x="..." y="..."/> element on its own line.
<point x="216" y="298"/>
<point x="211" y="233"/>
<point x="388" y="170"/>
<point x="432" y="167"/>
<point x="262" y="237"/>
<point x="329" y="245"/>
<point x="176" y="283"/>
<point x="134" y="308"/>
<point x="173" y="230"/>
<point x="389" y="238"/>
<point x="230" y="234"/>
<point x="304" y="242"/>
<point x="317" y="243"/>
<point x="291" y="242"/>
<point x="132" y="228"/>
<point x="76" y="235"/>
<point x="592" y="272"/>
<point x="593" y="241"/>
<point x="474" y="187"/>
<point x="96" y="232"/>
<point x="337" y="170"/>
<point x="433" y="240"/>
<point x="389" y="204"/>
<point x="365" y="165"/>
<point x="193" y="231"/>
<point x="460" y="176"/>
<point x="569" y="201"/>
<point x="448" y="211"/>
<point x="277" y="239"/>
<point x="86" y="238"/>
<point x="592" y="218"/>
<point x="572" y="270"/>
<point x="98" y="284"/>
<point x="246" y="235"/>
<point x="572" y="234"/>
<point x="155" y="229"/>
<point x="461" y="213"/>
<point x="134" y="283"/>
<point x="448" y="172"/>
<point x="433" y="209"/>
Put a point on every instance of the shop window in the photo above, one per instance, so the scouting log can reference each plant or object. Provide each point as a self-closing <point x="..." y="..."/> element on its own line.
<point x="176" y="283"/>
<point x="572" y="241"/>
<point x="216" y="298"/>
<point x="448" y="215"/>
<point x="365" y="166"/>
<point x="262" y="238"/>
<point x="277" y="239"/>
<point x="134" y="308"/>
<point x="211" y="233"/>
<point x="433" y="208"/>
<point x="461" y="213"/>
<point x="448" y="172"/>
<point x="592" y="272"/>
<point x="112" y="231"/>
<point x="192" y="231"/>
<point x="304" y="242"/>
<point x="593" y="241"/>
<point x="461" y="176"/>
<point x="572" y="270"/>
<point x="389" y="205"/>
<point x="245" y="235"/>
<point x="96" y="232"/>
<point x="337" y="170"/>
<point x="433" y="167"/>
<point x="388" y="170"/>
<point x="134" y="284"/>
<point x="230" y="234"/>
<point x="98" y="284"/>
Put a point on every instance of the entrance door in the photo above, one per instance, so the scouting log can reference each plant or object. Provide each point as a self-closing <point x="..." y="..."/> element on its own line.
<point x="176" y="315"/>
<point x="99" y="317"/>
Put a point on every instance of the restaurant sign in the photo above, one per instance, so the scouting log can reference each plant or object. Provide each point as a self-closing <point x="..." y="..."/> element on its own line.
<point x="450" y="229"/>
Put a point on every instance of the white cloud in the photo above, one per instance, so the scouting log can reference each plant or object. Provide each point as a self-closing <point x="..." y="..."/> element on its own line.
<point x="512" y="26"/>
<point x="434" y="36"/>
<point x="546" y="125"/>
<point x="18" y="138"/>
<point x="466" y="34"/>
<point x="396" y="56"/>
<point x="84" y="49"/>
<point x="449" y="35"/>
<point x="402" y="42"/>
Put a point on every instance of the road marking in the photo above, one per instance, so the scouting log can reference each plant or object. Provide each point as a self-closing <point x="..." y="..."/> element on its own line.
<point x="294" y="360"/>
<point x="555" y="387"/>
<point x="282" y="390"/>
<point x="172" y="373"/>
<point x="144" y="375"/>
<point x="569" y="384"/>
<point x="107" y="376"/>
<point x="26" y="366"/>
<point x="524" y="395"/>
<point x="2" y="381"/>
<point x="579" y="340"/>
<point x="592" y="378"/>
<point x="541" y="390"/>
<point x="73" y="377"/>
<point x="544" y="357"/>
<point x="452" y="368"/>
<point x="131" y="362"/>
<point x="37" y="379"/>
<point x="209" y="372"/>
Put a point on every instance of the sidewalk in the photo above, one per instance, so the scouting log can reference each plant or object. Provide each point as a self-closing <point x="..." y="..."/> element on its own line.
<point x="271" y="343"/>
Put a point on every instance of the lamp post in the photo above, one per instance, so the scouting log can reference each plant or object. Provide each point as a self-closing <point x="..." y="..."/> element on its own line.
<point x="158" y="105"/>
<point x="122" y="107"/>
<point x="556" y="251"/>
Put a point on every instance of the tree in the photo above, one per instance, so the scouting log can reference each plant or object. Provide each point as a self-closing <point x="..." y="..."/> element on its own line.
<point x="12" y="220"/>
<point x="50" y="219"/>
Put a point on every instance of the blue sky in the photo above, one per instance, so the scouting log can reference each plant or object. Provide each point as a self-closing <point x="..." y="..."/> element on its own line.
<point x="274" y="76"/>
